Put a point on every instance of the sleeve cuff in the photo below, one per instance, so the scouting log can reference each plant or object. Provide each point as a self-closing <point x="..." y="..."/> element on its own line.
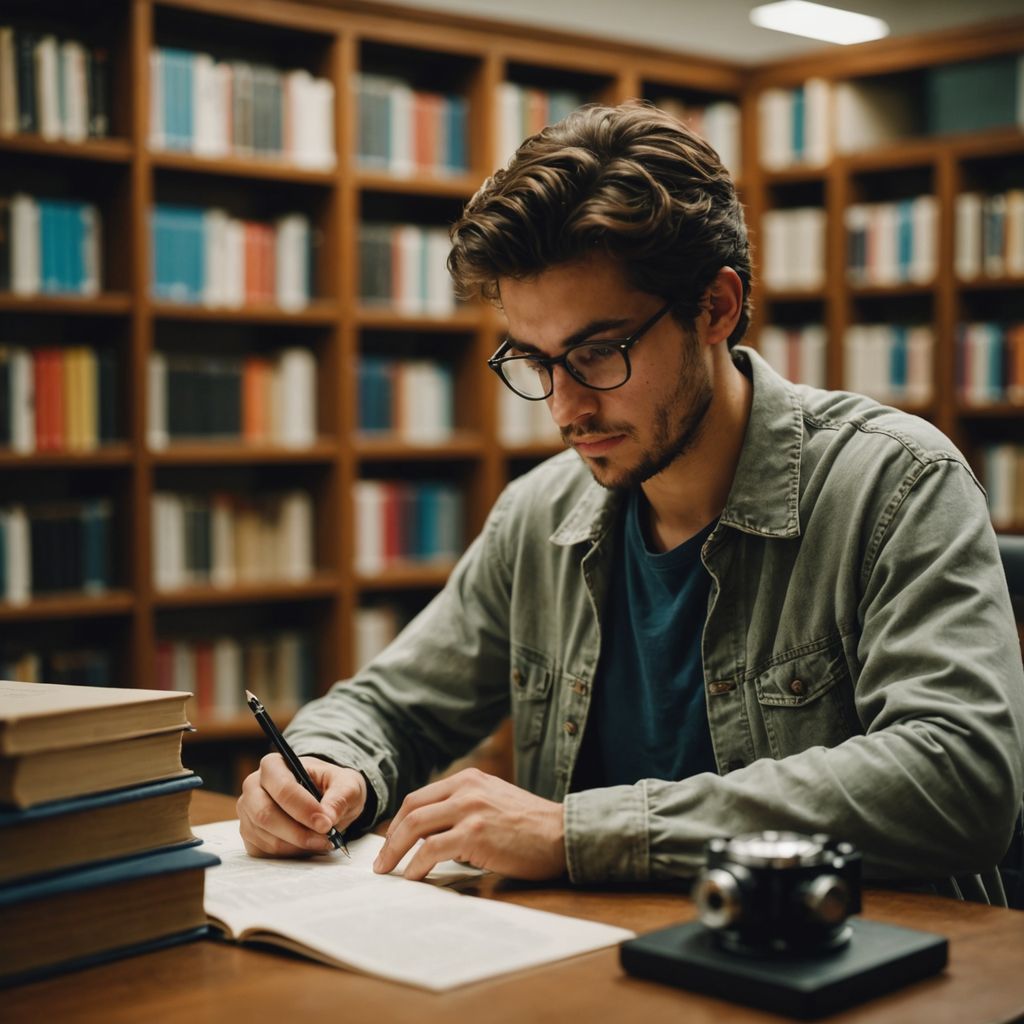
<point x="606" y="837"/>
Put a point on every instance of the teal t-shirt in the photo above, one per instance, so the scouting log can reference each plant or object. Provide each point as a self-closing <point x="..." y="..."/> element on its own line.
<point x="648" y="715"/>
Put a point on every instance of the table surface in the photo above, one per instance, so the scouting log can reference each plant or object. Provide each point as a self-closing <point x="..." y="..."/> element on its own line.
<point x="219" y="982"/>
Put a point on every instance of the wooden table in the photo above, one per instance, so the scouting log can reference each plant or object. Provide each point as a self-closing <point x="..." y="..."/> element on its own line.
<point x="214" y="982"/>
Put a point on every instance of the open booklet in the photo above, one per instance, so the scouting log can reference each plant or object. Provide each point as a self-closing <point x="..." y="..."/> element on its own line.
<point x="338" y="911"/>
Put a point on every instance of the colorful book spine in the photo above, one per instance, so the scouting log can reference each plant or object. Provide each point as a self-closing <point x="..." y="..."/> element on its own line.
<point x="412" y="399"/>
<point x="890" y="362"/>
<point x="990" y="362"/>
<point x="892" y="243"/>
<point x="404" y="267"/>
<point x="798" y="353"/>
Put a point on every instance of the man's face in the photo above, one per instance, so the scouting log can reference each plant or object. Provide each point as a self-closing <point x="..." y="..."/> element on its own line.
<point x="628" y="435"/>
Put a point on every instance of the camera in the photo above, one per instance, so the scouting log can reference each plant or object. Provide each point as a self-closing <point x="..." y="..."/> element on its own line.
<point x="779" y="893"/>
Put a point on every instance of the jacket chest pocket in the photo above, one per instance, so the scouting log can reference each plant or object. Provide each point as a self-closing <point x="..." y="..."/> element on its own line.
<point x="807" y="701"/>
<point x="530" y="686"/>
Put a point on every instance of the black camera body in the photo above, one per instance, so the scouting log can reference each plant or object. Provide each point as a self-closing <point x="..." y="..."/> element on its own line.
<point x="779" y="893"/>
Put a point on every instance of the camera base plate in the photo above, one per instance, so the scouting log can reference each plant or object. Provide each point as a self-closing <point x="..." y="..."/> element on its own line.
<point x="878" y="958"/>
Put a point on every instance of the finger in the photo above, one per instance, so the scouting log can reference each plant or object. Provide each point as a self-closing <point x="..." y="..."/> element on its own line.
<point x="432" y="793"/>
<point x="277" y="780"/>
<point x="417" y="824"/>
<point x="267" y="826"/>
<point x="432" y="851"/>
<point x="344" y="796"/>
<point x="261" y="843"/>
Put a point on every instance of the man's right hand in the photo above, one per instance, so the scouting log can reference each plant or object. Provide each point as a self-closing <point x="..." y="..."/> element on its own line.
<point x="278" y="818"/>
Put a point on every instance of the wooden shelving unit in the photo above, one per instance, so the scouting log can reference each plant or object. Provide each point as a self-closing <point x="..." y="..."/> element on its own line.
<point x="336" y="39"/>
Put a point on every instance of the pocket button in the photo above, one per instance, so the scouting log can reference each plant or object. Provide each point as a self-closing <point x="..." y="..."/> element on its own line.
<point x="797" y="687"/>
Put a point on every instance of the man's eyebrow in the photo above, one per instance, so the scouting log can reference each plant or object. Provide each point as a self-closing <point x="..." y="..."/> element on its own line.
<point x="583" y="334"/>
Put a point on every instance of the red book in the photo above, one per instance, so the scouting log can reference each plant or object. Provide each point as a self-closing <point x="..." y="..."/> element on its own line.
<point x="58" y="428"/>
<point x="164" y="666"/>
<point x="268" y="265"/>
<point x="392" y="522"/>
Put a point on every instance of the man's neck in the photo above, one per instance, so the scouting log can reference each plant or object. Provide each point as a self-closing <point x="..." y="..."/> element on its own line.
<point x="692" y="492"/>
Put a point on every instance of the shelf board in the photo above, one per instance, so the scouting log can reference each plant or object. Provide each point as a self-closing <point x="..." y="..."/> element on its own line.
<point x="407" y="576"/>
<point x="461" y="445"/>
<point x="882" y="291"/>
<point x="991" y="410"/>
<point x="105" y="304"/>
<point x="206" y="453"/>
<point x="108" y="150"/>
<point x="264" y="168"/>
<point x="316" y="314"/>
<point x="108" y="455"/>
<point x="69" y="606"/>
<point x="799" y="174"/>
<point x="322" y="585"/>
<point x="794" y="295"/>
<point x="460" y="186"/>
<point x="990" y="284"/>
<point x="389" y="319"/>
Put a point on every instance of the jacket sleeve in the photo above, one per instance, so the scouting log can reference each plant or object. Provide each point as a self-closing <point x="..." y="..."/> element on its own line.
<point x="933" y="785"/>
<point x="432" y="694"/>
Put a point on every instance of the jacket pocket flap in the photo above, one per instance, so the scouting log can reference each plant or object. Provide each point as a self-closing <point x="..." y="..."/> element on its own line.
<point x="800" y="680"/>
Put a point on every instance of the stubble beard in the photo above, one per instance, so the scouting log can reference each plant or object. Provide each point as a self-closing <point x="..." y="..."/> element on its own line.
<point x="678" y="426"/>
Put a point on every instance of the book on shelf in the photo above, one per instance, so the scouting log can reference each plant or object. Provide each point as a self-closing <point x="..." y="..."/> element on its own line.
<point x="425" y="935"/>
<point x="412" y="399"/>
<point x="85" y="666"/>
<point x="57" y="399"/>
<point x="892" y="243"/>
<point x="406" y="522"/>
<point x="798" y="353"/>
<point x="404" y="267"/>
<point x="375" y="627"/>
<point x="989" y="235"/>
<point x="216" y="669"/>
<point x="214" y="108"/>
<point x="890" y="362"/>
<point x="56" y="87"/>
<point x="794" y="125"/>
<point x="257" y="399"/>
<point x="55" y="547"/>
<point x="92" y="914"/>
<point x="1003" y="475"/>
<point x="105" y="826"/>
<point x="873" y="112"/>
<point x="206" y="257"/>
<point x="794" y="247"/>
<point x="975" y="95"/>
<point x="990" y="362"/>
<point x="716" y="121"/>
<point x="54" y="246"/>
<point x="221" y="540"/>
<point x="524" y="110"/>
<point x="524" y="423"/>
<point x="406" y="131"/>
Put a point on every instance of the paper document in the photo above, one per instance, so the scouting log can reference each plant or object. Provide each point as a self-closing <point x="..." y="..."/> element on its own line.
<point x="338" y="911"/>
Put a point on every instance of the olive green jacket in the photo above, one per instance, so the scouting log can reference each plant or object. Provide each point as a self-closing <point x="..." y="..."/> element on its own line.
<point x="861" y="662"/>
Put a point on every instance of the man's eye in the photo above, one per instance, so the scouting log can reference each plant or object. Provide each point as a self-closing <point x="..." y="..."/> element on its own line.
<point x="590" y="355"/>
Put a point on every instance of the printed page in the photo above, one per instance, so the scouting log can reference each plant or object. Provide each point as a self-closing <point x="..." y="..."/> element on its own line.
<point x="337" y="910"/>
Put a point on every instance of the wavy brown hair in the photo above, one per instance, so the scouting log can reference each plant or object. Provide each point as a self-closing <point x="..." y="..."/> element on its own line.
<point x="630" y="182"/>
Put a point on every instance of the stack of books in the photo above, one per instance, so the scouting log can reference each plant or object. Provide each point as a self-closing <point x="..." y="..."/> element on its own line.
<point x="96" y="857"/>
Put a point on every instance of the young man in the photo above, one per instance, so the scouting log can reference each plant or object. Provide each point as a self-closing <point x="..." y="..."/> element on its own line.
<point x="735" y="604"/>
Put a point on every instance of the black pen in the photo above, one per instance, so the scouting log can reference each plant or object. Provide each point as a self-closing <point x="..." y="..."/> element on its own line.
<point x="300" y="773"/>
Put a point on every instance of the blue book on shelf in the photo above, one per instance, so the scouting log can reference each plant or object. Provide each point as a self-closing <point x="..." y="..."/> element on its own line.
<point x="95" y="517"/>
<point x="456" y="110"/>
<point x="177" y="97"/>
<point x="49" y="245"/>
<point x="77" y="214"/>
<point x="972" y="95"/>
<point x="62" y="894"/>
<point x="562" y="102"/>
<point x="996" y="343"/>
<point x="904" y="237"/>
<point x="898" y="358"/>
<point x="798" y="109"/>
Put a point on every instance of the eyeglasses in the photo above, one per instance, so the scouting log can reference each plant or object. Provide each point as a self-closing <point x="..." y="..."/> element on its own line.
<point x="602" y="365"/>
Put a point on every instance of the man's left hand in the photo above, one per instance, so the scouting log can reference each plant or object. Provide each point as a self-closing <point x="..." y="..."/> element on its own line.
<point x="480" y="820"/>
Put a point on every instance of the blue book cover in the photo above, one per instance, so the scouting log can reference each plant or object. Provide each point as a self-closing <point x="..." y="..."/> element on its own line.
<point x="64" y="244"/>
<point x="798" y="115"/>
<point x="898" y="358"/>
<point x="160" y="252"/>
<point x="996" y="342"/>
<point x="904" y="237"/>
<point x="128" y="794"/>
<point x="49" y="275"/>
<point x="457" y="110"/>
<point x="95" y="546"/>
<point x="77" y="215"/>
<point x="177" y="97"/>
<point x="971" y="96"/>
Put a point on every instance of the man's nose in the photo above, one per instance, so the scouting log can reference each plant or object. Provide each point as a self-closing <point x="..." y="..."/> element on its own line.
<point x="570" y="400"/>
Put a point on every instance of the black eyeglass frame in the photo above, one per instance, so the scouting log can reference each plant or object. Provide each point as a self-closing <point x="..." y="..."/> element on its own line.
<point x="550" y="362"/>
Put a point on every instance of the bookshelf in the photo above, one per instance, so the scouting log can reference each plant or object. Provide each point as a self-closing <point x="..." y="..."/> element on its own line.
<point x="470" y="85"/>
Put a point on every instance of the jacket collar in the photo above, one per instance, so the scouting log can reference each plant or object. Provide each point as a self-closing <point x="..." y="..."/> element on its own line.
<point x="765" y="493"/>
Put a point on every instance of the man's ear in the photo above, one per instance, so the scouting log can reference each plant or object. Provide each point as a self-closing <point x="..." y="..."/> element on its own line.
<point x="721" y="307"/>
